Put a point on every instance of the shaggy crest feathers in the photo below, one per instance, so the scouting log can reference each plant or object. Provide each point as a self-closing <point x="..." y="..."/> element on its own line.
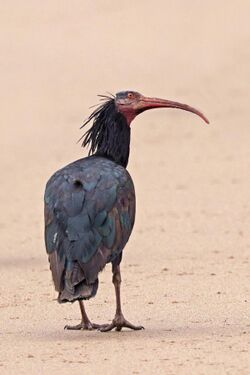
<point x="109" y="136"/>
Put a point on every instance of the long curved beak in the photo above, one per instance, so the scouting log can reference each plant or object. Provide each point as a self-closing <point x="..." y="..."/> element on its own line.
<point x="150" y="103"/>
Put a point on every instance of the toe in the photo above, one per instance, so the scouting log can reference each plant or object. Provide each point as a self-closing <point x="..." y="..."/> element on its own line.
<point x="74" y="328"/>
<point x="106" y="327"/>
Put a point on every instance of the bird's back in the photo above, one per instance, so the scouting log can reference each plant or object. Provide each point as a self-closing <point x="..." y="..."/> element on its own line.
<point x="89" y="216"/>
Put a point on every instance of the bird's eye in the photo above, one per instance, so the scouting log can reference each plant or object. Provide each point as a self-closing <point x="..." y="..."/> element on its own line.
<point x="130" y="95"/>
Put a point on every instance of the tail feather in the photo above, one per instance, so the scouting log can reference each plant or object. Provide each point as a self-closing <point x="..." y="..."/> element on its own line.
<point x="75" y="280"/>
<point x="81" y="291"/>
<point x="76" y="286"/>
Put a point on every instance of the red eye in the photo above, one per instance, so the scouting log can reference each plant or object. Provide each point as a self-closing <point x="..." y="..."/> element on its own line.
<point x="130" y="95"/>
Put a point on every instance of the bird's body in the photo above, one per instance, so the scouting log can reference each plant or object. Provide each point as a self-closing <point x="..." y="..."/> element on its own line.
<point x="90" y="206"/>
<point x="89" y="213"/>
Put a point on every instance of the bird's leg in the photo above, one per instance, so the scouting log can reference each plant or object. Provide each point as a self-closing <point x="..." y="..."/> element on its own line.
<point x="119" y="321"/>
<point x="85" y="323"/>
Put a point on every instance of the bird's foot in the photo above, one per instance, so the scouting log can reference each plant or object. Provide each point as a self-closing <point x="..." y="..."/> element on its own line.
<point x="86" y="326"/>
<point x="118" y="323"/>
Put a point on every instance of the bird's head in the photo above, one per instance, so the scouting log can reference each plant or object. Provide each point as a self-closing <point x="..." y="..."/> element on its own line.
<point x="109" y="134"/>
<point x="132" y="103"/>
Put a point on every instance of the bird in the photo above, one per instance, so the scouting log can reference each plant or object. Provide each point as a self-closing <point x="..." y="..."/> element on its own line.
<point x="90" y="206"/>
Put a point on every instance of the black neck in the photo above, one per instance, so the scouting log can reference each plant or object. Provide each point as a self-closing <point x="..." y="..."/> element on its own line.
<point x="115" y="144"/>
<point x="109" y="135"/>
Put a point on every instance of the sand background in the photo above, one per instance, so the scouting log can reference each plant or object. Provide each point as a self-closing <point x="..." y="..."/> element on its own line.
<point x="186" y="268"/>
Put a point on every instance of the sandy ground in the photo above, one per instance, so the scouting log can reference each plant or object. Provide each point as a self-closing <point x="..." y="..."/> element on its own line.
<point x="186" y="268"/>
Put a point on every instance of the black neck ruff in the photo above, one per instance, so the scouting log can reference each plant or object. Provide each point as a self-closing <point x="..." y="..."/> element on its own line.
<point x="109" y="135"/>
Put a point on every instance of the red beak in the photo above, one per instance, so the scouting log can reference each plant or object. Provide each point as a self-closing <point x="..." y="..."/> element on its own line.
<point x="150" y="103"/>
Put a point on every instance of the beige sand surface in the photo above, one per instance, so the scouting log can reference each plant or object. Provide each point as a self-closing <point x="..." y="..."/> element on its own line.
<point x="186" y="274"/>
